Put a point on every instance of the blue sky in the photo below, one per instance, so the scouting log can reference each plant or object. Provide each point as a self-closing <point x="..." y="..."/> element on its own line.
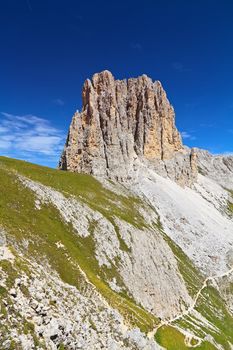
<point x="48" y="48"/>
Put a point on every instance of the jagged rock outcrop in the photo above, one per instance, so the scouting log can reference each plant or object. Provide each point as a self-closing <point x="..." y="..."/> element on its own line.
<point x="124" y="123"/>
<point x="217" y="167"/>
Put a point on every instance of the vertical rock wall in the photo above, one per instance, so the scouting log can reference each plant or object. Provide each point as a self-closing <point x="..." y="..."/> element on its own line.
<point x="122" y="123"/>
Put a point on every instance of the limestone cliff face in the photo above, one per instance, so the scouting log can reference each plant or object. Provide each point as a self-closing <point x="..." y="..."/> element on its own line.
<point x="124" y="123"/>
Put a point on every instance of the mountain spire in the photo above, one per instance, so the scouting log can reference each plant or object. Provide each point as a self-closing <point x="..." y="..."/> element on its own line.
<point x="123" y="123"/>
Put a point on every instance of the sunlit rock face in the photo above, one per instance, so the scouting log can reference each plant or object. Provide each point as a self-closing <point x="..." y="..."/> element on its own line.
<point x="217" y="167"/>
<point x="123" y="124"/>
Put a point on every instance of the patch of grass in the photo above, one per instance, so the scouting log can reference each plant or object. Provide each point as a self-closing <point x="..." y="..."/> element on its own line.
<point x="3" y="291"/>
<point x="62" y="347"/>
<point x="92" y="323"/>
<point x="171" y="339"/>
<point x="43" y="228"/>
<point x="194" y="342"/>
<point x="230" y="207"/>
<point x="11" y="272"/>
<point x="123" y="245"/>
<point x="28" y="327"/>
<point x="13" y="345"/>
<point x="25" y="290"/>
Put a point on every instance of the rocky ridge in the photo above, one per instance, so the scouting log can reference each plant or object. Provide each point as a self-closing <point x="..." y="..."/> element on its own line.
<point x="124" y="123"/>
<point x="217" y="167"/>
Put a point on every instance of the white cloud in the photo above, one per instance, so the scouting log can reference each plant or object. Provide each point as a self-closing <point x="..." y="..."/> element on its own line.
<point x="30" y="137"/>
<point x="186" y="135"/>
<point x="58" y="102"/>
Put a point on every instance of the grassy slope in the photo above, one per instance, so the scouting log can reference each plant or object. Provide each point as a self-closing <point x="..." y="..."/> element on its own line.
<point x="43" y="228"/>
<point x="212" y="307"/>
<point x="84" y="187"/>
<point x="210" y="304"/>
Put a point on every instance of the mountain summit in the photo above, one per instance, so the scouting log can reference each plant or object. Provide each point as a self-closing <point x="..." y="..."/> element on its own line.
<point x="123" y="124"/>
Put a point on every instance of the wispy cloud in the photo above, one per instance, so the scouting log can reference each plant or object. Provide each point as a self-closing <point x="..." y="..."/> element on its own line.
<point x="179" y="67"/>
<point x="58" y="102"/>
<point x="29" y="137"/>
<point x="186" y="135"/>
<point x="136" y="46"/>
<point x="208" y="125"/>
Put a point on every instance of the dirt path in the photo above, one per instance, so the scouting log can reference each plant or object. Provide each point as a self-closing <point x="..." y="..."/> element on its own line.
<point x="192" y="306"/>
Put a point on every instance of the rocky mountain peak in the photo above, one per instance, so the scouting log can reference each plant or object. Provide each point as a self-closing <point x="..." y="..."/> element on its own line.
<point x="124" y="124"/>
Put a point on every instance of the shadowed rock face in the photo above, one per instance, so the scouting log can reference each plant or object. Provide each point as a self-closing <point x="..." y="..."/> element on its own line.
<point x="124" y="123"/>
